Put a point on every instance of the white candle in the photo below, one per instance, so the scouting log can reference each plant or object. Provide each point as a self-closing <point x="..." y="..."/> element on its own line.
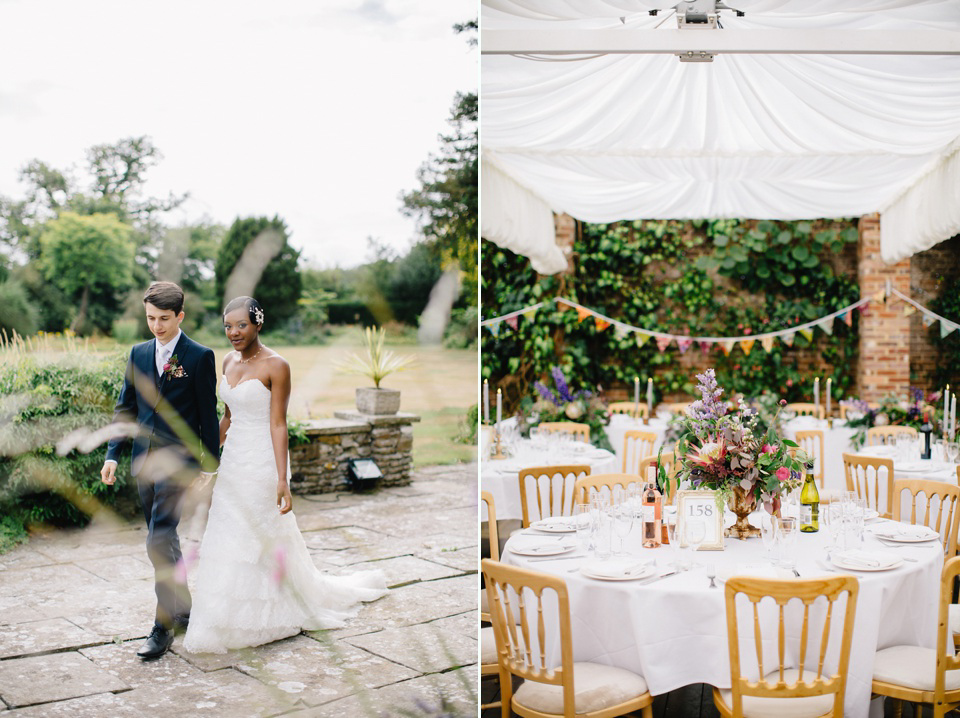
<point x="816" y="395"/>
<point x="829" y="385"/>
<point x="650" y="396"/>
<point x="486" y="402"/>
<point x="636" y="395"/>
<point x="946" y="409"/>
<point x="499" y="409"/>
<point x="953" y="416"/>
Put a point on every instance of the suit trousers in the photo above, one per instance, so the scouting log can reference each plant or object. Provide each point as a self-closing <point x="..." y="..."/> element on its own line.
<point x="162" y="502"/>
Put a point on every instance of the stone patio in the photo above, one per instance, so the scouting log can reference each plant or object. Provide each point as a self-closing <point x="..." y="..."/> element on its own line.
<point x="75" y="605"/>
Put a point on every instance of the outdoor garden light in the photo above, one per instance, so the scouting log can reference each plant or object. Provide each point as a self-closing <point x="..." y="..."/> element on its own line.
<point x="364" y="474"/>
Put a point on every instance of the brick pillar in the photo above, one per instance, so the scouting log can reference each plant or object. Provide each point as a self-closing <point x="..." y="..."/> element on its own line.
<point x="884" y="330"/>
<point x="566" y="233"/>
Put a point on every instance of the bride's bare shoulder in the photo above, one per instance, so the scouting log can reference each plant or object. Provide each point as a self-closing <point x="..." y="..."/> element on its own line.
<point x="277" y="365"/>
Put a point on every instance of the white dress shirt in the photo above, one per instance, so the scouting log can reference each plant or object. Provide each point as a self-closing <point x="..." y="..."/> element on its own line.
<point x="165" y="351"/>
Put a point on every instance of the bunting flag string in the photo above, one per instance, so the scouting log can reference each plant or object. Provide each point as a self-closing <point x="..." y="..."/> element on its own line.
<point x="663" y="340"/>
<point x="911" y="307"/>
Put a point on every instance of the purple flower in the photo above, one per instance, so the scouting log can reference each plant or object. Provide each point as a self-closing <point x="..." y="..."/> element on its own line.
<point x="560" y="380"/>
<point x="709" y="406"/>
<point x="546" y="393"/>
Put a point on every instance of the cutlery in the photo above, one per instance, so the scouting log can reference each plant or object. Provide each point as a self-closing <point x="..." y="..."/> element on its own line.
<point x="795" y="572"/>
<point x="656" y="578"/>
<point x="551" y="558"/>
<point x="712" y="575"/>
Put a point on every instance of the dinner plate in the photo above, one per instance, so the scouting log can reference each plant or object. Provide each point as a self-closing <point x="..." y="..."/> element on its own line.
<point x="546" y="549"/>
<point x="618" y="570"/>
<point x="887" y="562"/>
<point x="554" y="526"/>
<point x="888" y="532"/>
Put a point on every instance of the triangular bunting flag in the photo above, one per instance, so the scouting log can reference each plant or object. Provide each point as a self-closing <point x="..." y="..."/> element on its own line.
<point x="826" y="325"/>
<point x="727" y="346"/>
<point x="767" y="344"/>
<point x="529" y="314"/>
<point x="928" y="320"/>
<point x="620" y="330"/>
<point x="705" y="347"/>
<point x="788" y="338"/>
<point x="747" y="345"/>
<point x="561" y="304"/>
<point x="494" y="328"/>
<point x="600" y="324"/>
<point x="663" y="342"/>
<point x="908" y="309"/>
<point x="582" y="313"/>
<point x="946" y="327"/>
<point x="513" y="321"/>
<point x="807" y="333"/>
<point x="847" y="318"/>
<point x="642" y="338"/>
<point x="684" y="344"/>
<point x="879" y="296"/>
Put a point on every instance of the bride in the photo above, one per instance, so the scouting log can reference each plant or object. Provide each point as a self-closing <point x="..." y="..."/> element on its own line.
<point x="255" y="580"/>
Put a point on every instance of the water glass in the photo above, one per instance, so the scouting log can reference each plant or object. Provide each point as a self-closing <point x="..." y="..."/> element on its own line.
<point x="787" y="532"/>
<point x="622" y="524"/>
<point x="903" y="447"/>
<point x="768" y="534"/>
<point x="695" y="532"/>
<point x="583" y="517"/>
<point x="831" y="516"/>
<point x="673" y="535"/>
<point x="952" y="451"/>
<point x="603" y="543"/>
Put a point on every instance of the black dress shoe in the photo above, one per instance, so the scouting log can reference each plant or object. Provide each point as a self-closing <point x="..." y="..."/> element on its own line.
<point x="180" y="624"/>
<point x="156" y="644"/>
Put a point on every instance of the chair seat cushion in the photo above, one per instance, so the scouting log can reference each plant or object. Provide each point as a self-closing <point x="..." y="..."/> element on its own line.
<point x="484" y="601"/>
<point x="761" y="707"/>
<point x="488" y="645"/>
<point x="595" y="687"/>
<point x="911" y="667"/>
<point x="953" y="617"/>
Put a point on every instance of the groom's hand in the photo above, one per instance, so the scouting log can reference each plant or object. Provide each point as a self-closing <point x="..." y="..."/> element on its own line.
<point x="108" y="474"/>
<point x="284" y="499"/>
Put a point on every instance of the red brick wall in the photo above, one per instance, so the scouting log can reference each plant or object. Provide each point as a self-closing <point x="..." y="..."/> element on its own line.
<point x="884" y="366"/>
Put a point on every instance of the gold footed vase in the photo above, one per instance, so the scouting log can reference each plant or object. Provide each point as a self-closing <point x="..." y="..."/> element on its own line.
<point x="741" y="504"/>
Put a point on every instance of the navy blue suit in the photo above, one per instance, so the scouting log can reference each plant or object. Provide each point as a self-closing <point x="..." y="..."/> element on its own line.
<point x="165" y="458"/>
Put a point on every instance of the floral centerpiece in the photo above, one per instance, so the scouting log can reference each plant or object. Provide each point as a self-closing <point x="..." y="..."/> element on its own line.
<point x="724" y="450"/>
<point x="563" y="404"/>
<point x="891" y="412"/>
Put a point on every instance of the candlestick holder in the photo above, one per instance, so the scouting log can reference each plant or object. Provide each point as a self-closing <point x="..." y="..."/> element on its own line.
<point x="497" y="448"/>
<point x="646" y="420"/>
<point x="830" y="422"/>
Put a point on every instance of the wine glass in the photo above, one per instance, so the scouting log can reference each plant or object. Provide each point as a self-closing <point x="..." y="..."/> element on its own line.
<point x="788" y="531"/>
<point x="695" y="532"/>
<point x="673" y="536"/>
<point x="768" y="534"/>
<point x="622" y="524"/>
<point x="952" y="451"/>
<point x="583" y="517"/>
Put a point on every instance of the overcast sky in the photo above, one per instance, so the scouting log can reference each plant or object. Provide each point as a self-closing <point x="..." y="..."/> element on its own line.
<point x="320" y="111"/>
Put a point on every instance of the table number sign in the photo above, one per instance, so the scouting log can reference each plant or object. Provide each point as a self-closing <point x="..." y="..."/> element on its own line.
<point x="702" y="504"/>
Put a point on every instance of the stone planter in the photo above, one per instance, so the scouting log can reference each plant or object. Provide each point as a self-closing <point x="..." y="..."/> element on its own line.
<point x="378" y="401"/>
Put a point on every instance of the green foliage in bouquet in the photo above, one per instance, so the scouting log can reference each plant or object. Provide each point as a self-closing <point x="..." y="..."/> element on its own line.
<point x="721" y="449"/>
<point x="563" y="404"/>
<point x="891" y="412"/>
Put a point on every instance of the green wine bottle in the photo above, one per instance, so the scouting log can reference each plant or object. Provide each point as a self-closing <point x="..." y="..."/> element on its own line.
<point x="810" y="504"/>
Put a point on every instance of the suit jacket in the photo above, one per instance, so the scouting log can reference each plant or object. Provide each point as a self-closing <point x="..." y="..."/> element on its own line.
<point x="193" y="397"/>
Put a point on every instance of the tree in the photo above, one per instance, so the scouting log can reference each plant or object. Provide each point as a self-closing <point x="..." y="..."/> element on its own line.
<point x="89" y="259"/>
<point x="446" y="201"/>
<point x="255" y="259"/>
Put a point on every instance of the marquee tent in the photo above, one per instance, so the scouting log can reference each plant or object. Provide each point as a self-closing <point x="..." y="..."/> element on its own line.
<point x="807" y="109"/>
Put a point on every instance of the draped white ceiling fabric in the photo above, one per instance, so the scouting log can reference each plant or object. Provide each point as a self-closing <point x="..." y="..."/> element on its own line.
<point x="613" y="137"/>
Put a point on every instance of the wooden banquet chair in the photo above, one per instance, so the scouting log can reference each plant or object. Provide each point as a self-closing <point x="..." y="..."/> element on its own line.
<point x="586" y="487"/>
<point x="568" y="689"/>
<point x="637" y="444"/>
<point x="858" y="471"/>
<point x="844" y="408"/>
<point x="940" y="515"/>
<point x="881" y="435"/>
<point x="581" y="432"/>
<point x="488" y="648"/>
<point x="637" y="411"/>
<point x="759" y="689"/>
<point x="924" y="675"/>
<point x="811" y="441"/>
<point x="648" y="472"/>
<point x="803" y="409"/>
<point x="677" y="407"/>
<point x="544" y="480"/>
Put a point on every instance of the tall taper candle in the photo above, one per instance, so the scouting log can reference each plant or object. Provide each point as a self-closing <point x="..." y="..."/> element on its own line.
<point x="953" y="416"/>
<point x="829" y="385"/>
<point x="650" y="396"/>
<point x="499" y="409"/>
<point x="636" y="396"/>
<point x="816" y="395"/>
<point x="486" y="402"/>
<point x="946" y="410"/>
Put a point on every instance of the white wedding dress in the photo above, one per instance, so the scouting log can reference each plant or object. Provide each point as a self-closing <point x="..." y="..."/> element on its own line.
<point x="255" y="580"/>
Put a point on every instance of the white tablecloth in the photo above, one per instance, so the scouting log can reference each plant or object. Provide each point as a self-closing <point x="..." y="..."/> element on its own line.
<point x="914" y="468"/>
<point x="620" y="424"/>
<point x="501" y="477"/>
<point x="673" y="632"/>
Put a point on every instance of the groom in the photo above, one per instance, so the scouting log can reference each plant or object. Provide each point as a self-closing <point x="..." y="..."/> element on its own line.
<point x="170" y="391"/>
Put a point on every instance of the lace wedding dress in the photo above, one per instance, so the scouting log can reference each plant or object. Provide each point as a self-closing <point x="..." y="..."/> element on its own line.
<point x="255" y="581"/>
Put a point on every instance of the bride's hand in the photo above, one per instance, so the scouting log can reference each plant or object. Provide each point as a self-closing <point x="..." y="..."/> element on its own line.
<point x="284" y="499"/>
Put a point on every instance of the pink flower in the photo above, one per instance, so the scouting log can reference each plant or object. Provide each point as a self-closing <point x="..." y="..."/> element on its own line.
<point x="166" y="367"/>
<point x="767" y="449"/>
<point x="783" y="473"/>
<point x="789" y="382"/>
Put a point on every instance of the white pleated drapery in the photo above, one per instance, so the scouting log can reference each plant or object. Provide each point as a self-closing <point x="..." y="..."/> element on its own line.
<point x="632" y="136"/>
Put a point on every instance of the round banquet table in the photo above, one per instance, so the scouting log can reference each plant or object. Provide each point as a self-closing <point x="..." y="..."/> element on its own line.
<point x="501" y="477"/>
<point x="913" y="468"/>
<point x="673" y="631"/>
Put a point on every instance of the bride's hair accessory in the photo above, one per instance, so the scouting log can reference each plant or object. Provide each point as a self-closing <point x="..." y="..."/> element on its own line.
<point x="256" y="313"/>
<point x="250" y="304"/>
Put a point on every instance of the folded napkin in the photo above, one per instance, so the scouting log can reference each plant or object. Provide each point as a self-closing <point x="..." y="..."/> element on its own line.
<point x="554" y="522"/>
<point x="616" y="568"/>
<point x="856" y="558"/>
<point x="895" y="529"/>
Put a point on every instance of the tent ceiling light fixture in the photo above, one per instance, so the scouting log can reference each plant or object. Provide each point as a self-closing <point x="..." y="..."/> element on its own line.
<point x="700" y="15"/>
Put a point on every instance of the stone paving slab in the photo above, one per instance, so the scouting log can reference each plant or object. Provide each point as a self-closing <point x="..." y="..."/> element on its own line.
<point x="52" y="634"/>
<point x="424" y="648"/>
<point x="55" y="677"/>
<point x="75" y="605"/>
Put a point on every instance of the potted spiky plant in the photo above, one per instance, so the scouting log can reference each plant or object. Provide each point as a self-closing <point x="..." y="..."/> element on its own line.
<point x="376" y="363"/>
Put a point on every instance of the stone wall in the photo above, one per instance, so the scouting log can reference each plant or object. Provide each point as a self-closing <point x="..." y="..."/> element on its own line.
<point x="320" y="466"/>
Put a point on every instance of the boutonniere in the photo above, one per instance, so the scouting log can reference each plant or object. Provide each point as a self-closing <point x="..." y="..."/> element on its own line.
<point x="173" y="370"/>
